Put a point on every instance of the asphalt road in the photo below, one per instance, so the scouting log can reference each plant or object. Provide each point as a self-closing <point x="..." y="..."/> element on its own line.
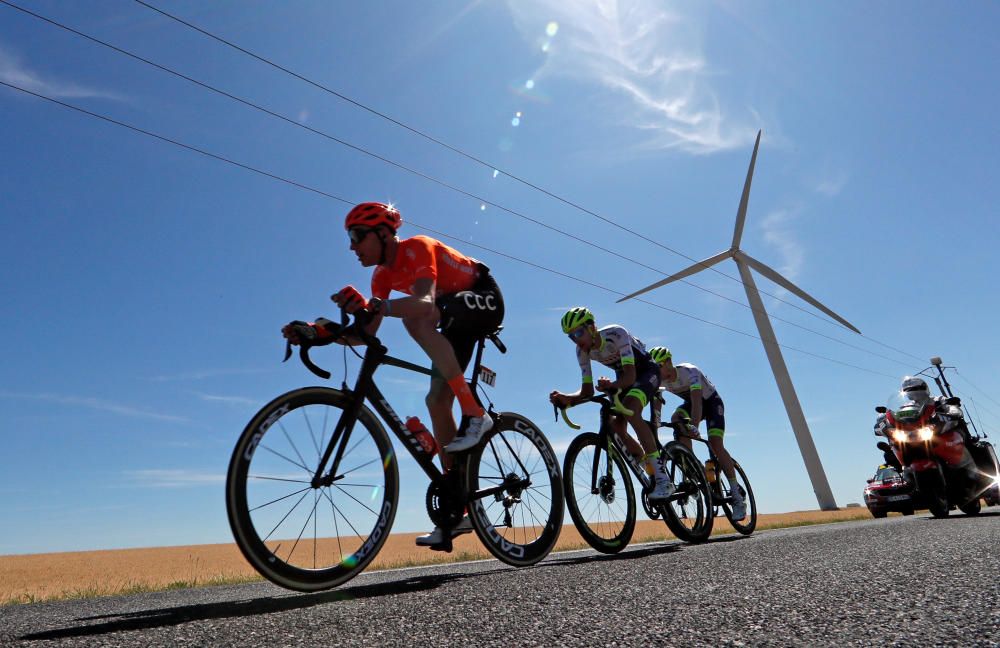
<point x="905" y="581"/>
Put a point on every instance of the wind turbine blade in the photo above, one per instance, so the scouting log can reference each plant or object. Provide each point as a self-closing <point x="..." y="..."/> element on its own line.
<point x="773" y="275"/>
<point x="741" y="213"/>
<point x="686" y="272"/>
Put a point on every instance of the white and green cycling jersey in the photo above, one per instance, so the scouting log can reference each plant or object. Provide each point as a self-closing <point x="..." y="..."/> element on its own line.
<point x="616" y="349"/>
<point x="689" y="378"/>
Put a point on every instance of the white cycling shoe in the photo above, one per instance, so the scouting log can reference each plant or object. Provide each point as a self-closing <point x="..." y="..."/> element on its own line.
<point x="470" y="434"/>
<point x="662" y="492"/>
<point x="437" y="536"/>
<point x="739" y="510"/>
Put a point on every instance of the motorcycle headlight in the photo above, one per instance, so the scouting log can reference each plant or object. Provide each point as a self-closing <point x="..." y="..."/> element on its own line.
<point x="899" y="436"/>
<point x="925" y="433"/>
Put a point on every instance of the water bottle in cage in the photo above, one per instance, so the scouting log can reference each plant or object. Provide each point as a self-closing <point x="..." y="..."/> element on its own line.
<point x="422" y="434"/>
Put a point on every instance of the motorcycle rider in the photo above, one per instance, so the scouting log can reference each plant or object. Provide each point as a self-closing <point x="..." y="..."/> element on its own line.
<point x="917" y="391"/>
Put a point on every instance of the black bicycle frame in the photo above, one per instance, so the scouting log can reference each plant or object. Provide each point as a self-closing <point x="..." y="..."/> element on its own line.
<point x="608" y="439"/>
<point x="365" y="388"/>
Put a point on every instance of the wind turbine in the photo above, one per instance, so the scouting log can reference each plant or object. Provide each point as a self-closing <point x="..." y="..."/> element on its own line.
<point x="744" y="262"/>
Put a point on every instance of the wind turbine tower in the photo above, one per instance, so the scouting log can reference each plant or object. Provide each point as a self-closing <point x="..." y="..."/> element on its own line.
<point x="744" y="262"/>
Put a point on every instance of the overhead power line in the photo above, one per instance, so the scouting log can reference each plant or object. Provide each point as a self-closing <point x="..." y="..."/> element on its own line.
<point x="420" y="174"/>
<point x="462" y="153"/>
<point x="305" y="187"/>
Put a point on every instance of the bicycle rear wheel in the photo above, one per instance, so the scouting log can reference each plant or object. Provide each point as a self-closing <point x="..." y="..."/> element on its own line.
<point x="605" y="518"/>
<point x="520" y="520"/>
<point x="297" y="536"/>
<point x="688" y="513"/>
<point x="748" y="523"/>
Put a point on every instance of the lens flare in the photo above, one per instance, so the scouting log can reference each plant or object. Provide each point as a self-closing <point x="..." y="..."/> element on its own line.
<point x="496" y="173"/>
<point x="552" y="28"/>
<point x="898" y="436"/>
<point x="516" y="121"/>
<point x="529" y="84"/>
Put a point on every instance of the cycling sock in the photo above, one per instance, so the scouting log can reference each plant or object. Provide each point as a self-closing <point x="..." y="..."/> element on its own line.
<point x="466" y="401"/>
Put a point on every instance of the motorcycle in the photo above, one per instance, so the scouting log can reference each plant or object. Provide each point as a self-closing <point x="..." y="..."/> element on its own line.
<point x="932" y="444"/>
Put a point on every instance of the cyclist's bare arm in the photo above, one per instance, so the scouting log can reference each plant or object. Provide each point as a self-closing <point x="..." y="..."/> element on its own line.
<point x="625" y="380"/>
<point x="558" y="398"/>
<point x="419" y="304"/>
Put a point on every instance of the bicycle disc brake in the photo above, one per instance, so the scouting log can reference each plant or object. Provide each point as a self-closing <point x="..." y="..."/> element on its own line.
<point x="443" y="507"/>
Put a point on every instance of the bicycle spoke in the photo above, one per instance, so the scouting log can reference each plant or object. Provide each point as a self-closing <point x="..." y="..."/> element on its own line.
<point x="280" y="479"/>
<point x="282" y="520"/>
<point x="281" y="426"/>
<point x="291" y="461"/>
<point x="283" y="497"/>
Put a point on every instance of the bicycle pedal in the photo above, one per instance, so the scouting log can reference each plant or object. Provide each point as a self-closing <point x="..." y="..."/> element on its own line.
<point x="445" y="546"/>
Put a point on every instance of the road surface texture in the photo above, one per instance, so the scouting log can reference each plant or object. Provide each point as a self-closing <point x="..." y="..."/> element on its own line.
<point x="911" y="581"/>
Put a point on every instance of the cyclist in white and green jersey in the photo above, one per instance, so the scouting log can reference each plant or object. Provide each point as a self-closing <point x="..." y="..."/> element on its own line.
<point x="701" y="403"/>
<point x="635" y="374"/>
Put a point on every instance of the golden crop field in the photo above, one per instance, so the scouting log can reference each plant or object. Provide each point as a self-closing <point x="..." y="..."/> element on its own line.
<point x="38" y="577"/>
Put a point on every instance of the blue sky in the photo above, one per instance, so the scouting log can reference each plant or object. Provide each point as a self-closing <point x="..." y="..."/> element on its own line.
<point x="145" y="285"/>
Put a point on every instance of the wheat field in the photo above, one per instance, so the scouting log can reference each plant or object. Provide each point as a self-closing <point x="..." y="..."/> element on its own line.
<point x="31" y="578"/>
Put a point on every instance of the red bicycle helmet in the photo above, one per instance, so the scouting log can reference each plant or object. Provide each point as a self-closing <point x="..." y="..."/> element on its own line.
<point x="373" y="214"/>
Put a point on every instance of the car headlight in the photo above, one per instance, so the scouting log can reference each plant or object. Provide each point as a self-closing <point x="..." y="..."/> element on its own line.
<point x="899" y="436"/>
<point x="925" y="433"/>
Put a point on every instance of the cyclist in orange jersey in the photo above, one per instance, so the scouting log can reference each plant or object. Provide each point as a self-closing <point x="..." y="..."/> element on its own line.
<point x="450" y="301"/>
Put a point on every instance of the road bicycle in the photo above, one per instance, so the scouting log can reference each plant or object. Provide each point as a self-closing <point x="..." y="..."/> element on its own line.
<point x="313" y="484"/>
<point x="721" y="485"/>
<point x="600" y="495"/>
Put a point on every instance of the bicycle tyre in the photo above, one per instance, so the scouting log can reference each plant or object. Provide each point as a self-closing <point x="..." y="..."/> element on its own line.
<point x="515" y="449"/>
<point x="749" y="523"/>
<point x="267" y="461"/>
<point x="594" y="513"/>
<point x="689" y="513"/>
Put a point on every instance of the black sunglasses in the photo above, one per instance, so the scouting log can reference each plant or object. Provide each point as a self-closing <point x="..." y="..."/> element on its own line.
<point x="358" y="234"/>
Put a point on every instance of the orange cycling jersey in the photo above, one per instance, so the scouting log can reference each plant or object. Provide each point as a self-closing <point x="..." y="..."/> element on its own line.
<point x="422" y="257"/>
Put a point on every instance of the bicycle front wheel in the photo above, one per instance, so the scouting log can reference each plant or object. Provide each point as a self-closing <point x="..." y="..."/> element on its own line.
<point x="514" y="480"/>
<point x="748" y="523"/>
<point x="602" y="505"/>
<point x="297" y="535"/>
<point x="688" y="513"/>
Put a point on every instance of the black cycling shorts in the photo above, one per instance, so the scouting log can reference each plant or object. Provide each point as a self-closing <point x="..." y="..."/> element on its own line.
<point x="713" y="412"/>
<point x="470" y="315"/>
<point x="646" y="385"/>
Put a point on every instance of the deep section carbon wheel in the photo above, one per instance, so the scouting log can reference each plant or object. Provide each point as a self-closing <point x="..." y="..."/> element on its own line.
<point x="298" y="532"/>
<point x="602" y="505"/>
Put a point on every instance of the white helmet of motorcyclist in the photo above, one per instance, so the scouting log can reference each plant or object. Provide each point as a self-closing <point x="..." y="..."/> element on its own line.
<point x="915" y="389"/>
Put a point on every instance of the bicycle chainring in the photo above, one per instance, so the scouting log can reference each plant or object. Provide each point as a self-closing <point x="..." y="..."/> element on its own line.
<point x="652" y="512"/>
<point x="443" y="507"/>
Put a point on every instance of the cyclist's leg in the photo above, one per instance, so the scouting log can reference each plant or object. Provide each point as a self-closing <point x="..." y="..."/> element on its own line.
<point x="439" y="349"/>
<point x="715" y="420"/>
<point x="644" y="390"/>
<point x="621" y="429"/>
<point x="440" y="400"/>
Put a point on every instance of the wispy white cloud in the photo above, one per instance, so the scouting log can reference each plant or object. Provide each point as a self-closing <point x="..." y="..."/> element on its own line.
<point x="173" y="478"/>
<point x="831" y="185"/>
<point x="645" y="52"/>
<point x="93" y="403"/>
<point x="229" y="400"/>
<point x="204" y="373"/>
<point x="777" y="229"/>
<point x="15" y="72"/>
